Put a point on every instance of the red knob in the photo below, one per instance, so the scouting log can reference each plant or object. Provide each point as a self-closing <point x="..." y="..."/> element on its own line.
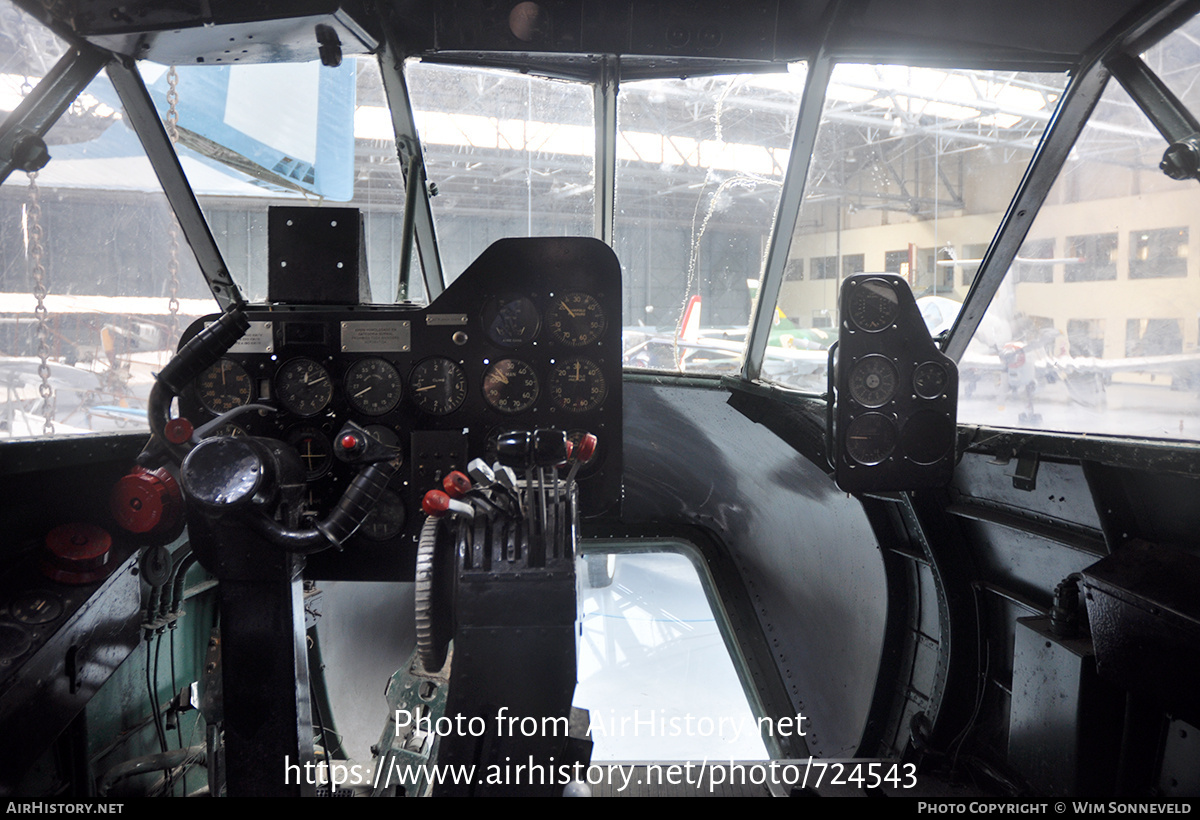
<point x="178" y="430"/>
<point x="76" y="554"/>
<point x="146" y="501"/>
<point x="350" y="442"/>
<point x="456" y="484"/>
<point x="435" y="503"/>
<point x="586" y="448"/>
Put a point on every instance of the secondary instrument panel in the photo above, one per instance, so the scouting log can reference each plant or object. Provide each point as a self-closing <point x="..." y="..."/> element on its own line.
<point x="528" y="337"/>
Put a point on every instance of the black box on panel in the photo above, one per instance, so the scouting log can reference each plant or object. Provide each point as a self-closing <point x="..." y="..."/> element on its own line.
<point x="317" y="256"/>
<point x="1065" y="720"/>
<point x="1144" y="614"/>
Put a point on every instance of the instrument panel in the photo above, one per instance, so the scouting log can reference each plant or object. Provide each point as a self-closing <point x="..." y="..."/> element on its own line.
<point x="896" y="393"/>
<point x="528" y="337"/>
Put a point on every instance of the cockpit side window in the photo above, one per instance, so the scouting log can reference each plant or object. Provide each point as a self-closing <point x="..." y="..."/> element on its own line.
<point x="96" y="282"/>
<point x="1094" y="328"/>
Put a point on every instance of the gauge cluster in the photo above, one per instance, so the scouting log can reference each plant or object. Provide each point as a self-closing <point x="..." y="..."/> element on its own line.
<point x="528" y="337"/>
<point x="895" y="393"/>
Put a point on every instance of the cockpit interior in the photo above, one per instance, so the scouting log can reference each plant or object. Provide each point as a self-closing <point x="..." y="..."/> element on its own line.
<point x="562" y="398"/>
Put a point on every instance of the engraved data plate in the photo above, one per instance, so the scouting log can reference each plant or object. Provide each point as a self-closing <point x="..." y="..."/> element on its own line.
<point x="383" y="336"/>
<point x="444" y="319"/>
<point x="260" y="338"/>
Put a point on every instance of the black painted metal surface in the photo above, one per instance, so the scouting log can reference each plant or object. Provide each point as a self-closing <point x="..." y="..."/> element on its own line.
<point x="804" y="550"/>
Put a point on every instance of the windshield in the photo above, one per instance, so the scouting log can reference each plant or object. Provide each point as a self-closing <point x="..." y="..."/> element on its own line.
<point x="911" y="173"/>
<point x="1094" y="328"/>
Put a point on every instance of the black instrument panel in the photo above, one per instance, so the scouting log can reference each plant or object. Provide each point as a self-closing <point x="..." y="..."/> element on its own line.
<point x="894" y="416"/>
<point x="528" y="337"/>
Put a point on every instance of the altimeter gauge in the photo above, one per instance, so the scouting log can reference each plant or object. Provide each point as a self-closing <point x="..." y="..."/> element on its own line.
<point x="873" y="381"/>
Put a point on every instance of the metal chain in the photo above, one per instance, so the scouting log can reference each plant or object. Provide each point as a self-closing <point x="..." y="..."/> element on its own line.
<point x="38" y="270"/>
<point x="172" y="122"/>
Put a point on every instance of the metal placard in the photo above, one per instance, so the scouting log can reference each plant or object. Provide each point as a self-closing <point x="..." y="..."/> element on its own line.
<point x="444" y="319"/>
<point x="377" y="336"/>
<point x="260" y="338"/>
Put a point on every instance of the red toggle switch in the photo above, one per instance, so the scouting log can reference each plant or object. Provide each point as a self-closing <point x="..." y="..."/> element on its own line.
<point x="456" y="484"/>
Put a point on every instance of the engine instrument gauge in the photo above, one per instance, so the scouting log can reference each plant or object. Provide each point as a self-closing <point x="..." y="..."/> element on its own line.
<point x="576" y="319"/>
<point x="511" y="321"/>
<point x="373" y="386"/>
<point x="224" y="386"/>
<point x="874" y="305"/>
<point x="438" y="386"/>
<point x="873" y="381"/>
<point x="315" y="451"/>
<point x="577" y="386"/>
<point x="510" y="386"/>
<point x="304" y="387"/>
<point x="871" y="438"/>
<point x="929" y="380"/>
<point x="36" y="607"/>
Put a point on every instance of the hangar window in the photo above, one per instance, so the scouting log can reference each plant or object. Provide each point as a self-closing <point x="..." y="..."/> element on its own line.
<point x="1158" y="253"/>
<point x="824" y="267"/>
<point x="1033" y="262"/>
<point x="1095" y="258"/>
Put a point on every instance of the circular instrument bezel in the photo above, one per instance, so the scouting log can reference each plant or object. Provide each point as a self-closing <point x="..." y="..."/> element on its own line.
<point x="373" y="386"/>
<point x="576" y="319"/>
<point x="577" y="386"/>
<point x="235" y="389"/>
<point x="871" y="439"/>
<point x="317" y="462"/>
<point x="873" y="380"/>
<point x="423" y="384"/>
<point x="930" y="380"/>
<point x="511" y="320"/>
<point x="307" y="398"/>
<point x="510" y="386"/>
<point x="874" y="305"/>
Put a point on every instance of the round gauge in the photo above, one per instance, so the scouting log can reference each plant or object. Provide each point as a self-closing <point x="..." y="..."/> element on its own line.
<point x="384" y="435"/>
<point x="510" y="386"/>
<point x="511" y="321"/>
<point x="873" y="381"/>
<point x="373" y="386"/>
<point x="14" y="642"/>
<point x="223" y="386"/>
<point x="230" y="430"/>
<point x="874" y="305"/>
<point x="315" y="451"/>
<point x="929" y="380"/>
<point x="304" y="387"/>
<point x="438" y="386"/>
<point x="386" y="519"/>
<point x="577" y="385"/>
<point x="871" y="438"/>
<point x="576" y="319"/>
<point x="927" y="436"/>
<point x="36" y="607"/>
